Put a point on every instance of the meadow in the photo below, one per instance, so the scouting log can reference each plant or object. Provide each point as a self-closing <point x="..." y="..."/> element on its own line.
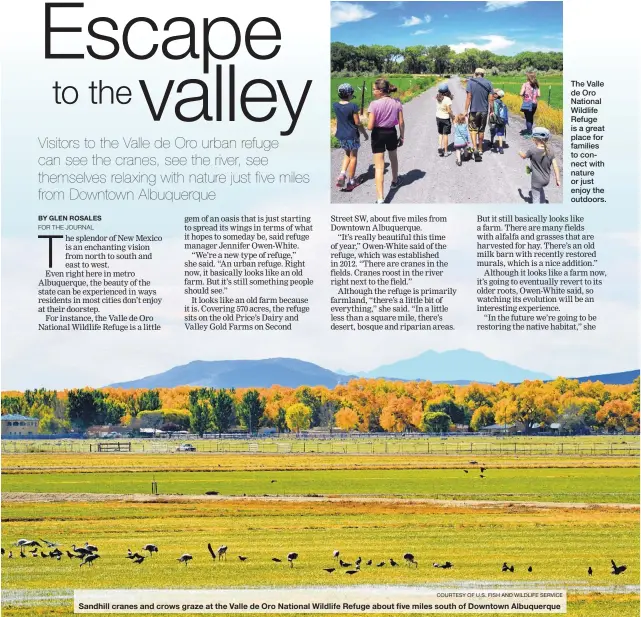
<point x="551" y="86"/>
<point x="558" y="543"/>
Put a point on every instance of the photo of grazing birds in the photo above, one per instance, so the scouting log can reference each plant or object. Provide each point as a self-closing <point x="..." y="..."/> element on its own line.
<point x="616" y="570"/>
<point x="291" y="557"/>
<point x="506" y="568"/>
<point x="82" y="550"/>
<point x="185" y="558"/>
<point x="151" y="548"/>
<point x="409" y="560"/>
<point x="380" y="565"/>
<point x="89" y="559"/>
<point x="329" y="570"/>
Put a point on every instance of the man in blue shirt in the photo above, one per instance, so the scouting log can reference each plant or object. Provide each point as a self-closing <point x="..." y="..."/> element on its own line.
<point x="480" y="99"/>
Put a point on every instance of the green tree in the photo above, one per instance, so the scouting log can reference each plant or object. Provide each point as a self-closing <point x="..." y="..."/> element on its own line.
<point x="200" y="411"/>
<point x="436" y="422"/>
<point x="223" y="411"/>
<point x="149" y="401"/>
<point x="252" y="410"/>
<point x="86" y="407"/>
<point x="280" y="421"/>
<point x="13" y="405"/>
<point x="298" y="417"/>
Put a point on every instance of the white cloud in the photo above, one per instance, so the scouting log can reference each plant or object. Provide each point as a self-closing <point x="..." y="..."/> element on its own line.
<point x="422" y="32"/>
<point x="493" y="42"/>
<point x="411" y="21"/>
<point x="428" y="19"/>
<point x="446" y="16"/>
<point x="348" y="12"/>
<point x="497" y="5"/>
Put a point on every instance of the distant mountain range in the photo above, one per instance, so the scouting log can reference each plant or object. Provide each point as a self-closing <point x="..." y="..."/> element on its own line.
<point x="457" y="367"/>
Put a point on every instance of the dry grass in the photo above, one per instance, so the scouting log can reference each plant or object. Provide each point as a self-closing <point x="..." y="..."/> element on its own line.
<point x="546" y="116"/>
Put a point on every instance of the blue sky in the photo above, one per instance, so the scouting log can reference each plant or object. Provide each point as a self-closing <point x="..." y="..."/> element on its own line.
<point x="505" y="27"/>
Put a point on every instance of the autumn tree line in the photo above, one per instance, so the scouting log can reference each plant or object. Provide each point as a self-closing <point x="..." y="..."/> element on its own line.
<point x="366" y="405"/>
<point x="440" y="59"/>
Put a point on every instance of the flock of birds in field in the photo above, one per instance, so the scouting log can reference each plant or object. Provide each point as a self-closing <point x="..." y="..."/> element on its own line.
<point x="88" y="553"/>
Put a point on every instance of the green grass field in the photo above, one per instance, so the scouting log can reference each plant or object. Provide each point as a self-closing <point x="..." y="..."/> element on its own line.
<point x="559" y="544"/>
<point x="513" y="85"/>
<point x="605" y="485"/>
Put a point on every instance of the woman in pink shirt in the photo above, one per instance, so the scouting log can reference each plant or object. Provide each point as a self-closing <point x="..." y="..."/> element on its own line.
<point x="530" y="93"/>
<point x="385" y="113"/>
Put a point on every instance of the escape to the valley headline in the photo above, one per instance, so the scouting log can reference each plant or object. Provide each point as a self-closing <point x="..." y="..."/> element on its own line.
<point x="181" y="39"/>
<point x="369" y="599"/>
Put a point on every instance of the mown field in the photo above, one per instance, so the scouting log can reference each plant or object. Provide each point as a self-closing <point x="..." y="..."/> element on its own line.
<point x="559" y="544"/>
<point x="605" y="485"/>
<point x="551" y="85"/>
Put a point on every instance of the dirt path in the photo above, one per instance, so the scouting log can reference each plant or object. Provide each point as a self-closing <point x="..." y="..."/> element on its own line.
<point x="427" y="178"/>
<point x="18" y="497"/>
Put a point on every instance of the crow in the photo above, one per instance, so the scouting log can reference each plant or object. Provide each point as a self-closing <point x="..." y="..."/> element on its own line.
<point x="504" y="567"/>
<point x="212" y="493"/>
<point x="616" y="570"/>
<point x="369" y="562"/>
<point x="529" y="569"/>
<point x="589" y="570"/>
<point x="344" y="564"/>
<point x="212" y="552"/>
<point x="273" y="481"/>
<point x="242" y="558"/>
<point x="473" y="463"/>
<point x="329" y="570"/>
<point x="392" y="562"/>
<point x="511" y="568"/>
<point x="447" y="565"/>
<point x="276" y="560"/>
<point x="358" y="562"/>
<point x="139" y="559"/>
<point x="465" y="471"/>
<point x="481" y="476"/>
<point x="380" y="565"/>
<point x="483" y="469"/>
<point x="350" y="572"/>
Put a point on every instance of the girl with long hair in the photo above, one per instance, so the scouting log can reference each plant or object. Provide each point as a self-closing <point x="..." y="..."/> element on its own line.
<point x="530" y="93"/>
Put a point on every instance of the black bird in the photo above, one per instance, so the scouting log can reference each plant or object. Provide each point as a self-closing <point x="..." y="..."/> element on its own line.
<point x="211" y="493"/>
<point x="465" y="471"/>
<point x="185" y="558"/>
<point x="616" y="570"/>
<point x="34" y="551"/>
<point x="481" y="476"/>
<point x="447" y="565"/>
<point x="473" y="463"/>
<point x="56" y="552"/>
<point x="511" y="568"/>
<point x="329" y="570"/>
<point x="91" y="547"/>
<point x="392" y="562"/>
<point x="589" y="570"/>
<point x="152" y="548"/>
<point x="291" y="557"/>
<point x="483" y="469"/>
<point x="82" y="550"/>
<point x="504" y="567"/>
<point x="344" y="564"/>
<point x="242" y="558"/>
<point x="273" y="481"/>
<point x="139" y="559"/>
<point x="350" y="572"/>
<point x="71" y="555"/>
<point x="129" y="555"/>
<point x="211" y="551"/>
<point x="529" y="569"/>
<point x="89" y="559"/>
<point x="43" y="554"/>
<point x="22" y="554"/>
<point x="275" y="559"/>
<point x="409" y="559"/>
<point x="380" y="565"/>
<point x="369" y="562"/>
<point x="10" y="555"/>
<point x="2" y="551"/>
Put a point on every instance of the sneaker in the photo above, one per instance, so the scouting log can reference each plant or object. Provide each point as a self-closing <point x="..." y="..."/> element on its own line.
<point x="352" y="184"/>
<point x="340" y="181"/>
<point x="459" y="163"/>
<point x="478" y="156"/>
<point x="380" y="201"/>
<point x="441" y="151"/>
<point x="501" y="151"/>
<point x="396" y="184"/>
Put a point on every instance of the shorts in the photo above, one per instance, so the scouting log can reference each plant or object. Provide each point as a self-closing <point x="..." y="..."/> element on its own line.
<point x="444" y="126"/>
<point x="477" y="122"/>
<point x="384" y="139"/>
<point x="499" y="131"/>
<point x="460" y="146"/>
<point x="350" y="144"/>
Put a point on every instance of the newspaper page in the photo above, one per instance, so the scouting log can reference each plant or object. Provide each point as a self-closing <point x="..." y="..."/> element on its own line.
<point x="326" y="308"/>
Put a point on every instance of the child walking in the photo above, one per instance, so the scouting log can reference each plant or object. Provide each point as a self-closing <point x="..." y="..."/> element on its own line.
<point x="499" y="120"/>
<point x="444" y="117"/>
<point x="542" y="161"/>
<point x="461" y="137"/>
<point x="348" y="126"/>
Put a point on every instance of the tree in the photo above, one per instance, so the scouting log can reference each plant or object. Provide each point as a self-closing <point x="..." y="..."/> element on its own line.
<point x="151" y="419"/>
<point x="347" y="419"/>
<point x="298" y="417"/>
<point x="223" y="411"/>
<point x="86" y="407"/>
<point x="436" y="422"/>
<point x="200" y="410"/>
<point x="149" y="400"/>
<point x="280" y="422"/>
<point x="482" y="417"/>
<point x="252" y="410"/>
<point x="13" y="405"/>
<point x="617" y="415"/>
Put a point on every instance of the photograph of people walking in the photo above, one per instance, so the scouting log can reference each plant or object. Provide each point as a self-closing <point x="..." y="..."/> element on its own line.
<point x="456" y="93"/>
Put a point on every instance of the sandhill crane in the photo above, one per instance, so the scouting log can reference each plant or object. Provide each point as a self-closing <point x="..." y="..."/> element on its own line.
<point x="350" y="572"/>
<point x="81" y="550"/>
<point x="138" y="559"/>
<point x="89" y="559"/>
<point x="49" y="544"/>
<point x="185" y="558"/>
<point x="329" y="570"/>
<point x="291" y="557"/>
<point x="409" y="560"/>
<point x="23" y="542"/>
<point x="212" y="552"/>
<point x="276" y="560"/>
<point x="242" y="558"/>
<point x="589" y="570"/>
<point x="392" y="562"/>
<point x="91" y="547"/>
<point x="337" y="554"/>
<point x="152" y="548"/>
<point x="380" y="565"/>
<point x="616" y="570"/>
<point x="222" y="552"/>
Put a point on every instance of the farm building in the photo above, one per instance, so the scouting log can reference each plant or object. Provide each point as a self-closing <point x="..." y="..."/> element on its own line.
<point x="15" y="424"/>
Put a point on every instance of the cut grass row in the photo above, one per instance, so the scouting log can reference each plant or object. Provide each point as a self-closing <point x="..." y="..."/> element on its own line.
<point x="558" y="544"/>
<point x="571" y="485"/>
<point x="115" y="462"/>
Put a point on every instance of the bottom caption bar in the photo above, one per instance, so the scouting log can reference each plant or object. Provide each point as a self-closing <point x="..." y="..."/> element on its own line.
<point x="372" y="600"/>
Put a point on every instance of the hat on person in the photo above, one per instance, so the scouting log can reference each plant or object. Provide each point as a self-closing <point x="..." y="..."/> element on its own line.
<point x="345" y="91"/>
<point x="540" y="132"/>
<point x="499" y="93"/>
<point x="479" y="71"/>
<point x="444" y="87"/>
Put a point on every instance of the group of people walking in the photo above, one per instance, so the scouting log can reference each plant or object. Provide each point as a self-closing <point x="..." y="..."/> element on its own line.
<point x="484" y="104"/>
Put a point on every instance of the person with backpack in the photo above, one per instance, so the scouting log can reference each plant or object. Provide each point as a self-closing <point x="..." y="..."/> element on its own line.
<point x="530" y="93"/>
<point x="499" y="119"/>
<point x="444" y="117"/>
<point x="480" y="98"/>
